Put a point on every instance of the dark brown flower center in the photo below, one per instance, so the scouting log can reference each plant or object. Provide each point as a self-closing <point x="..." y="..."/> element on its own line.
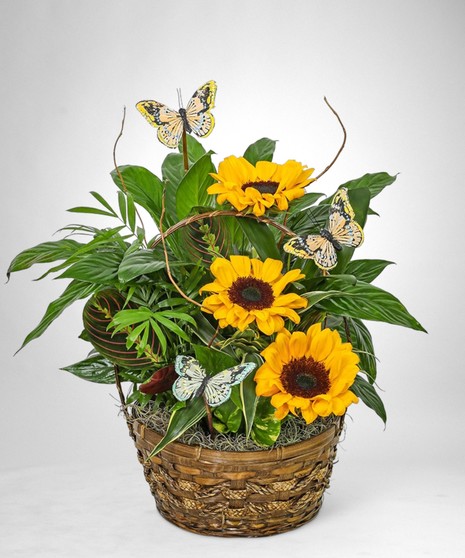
<point x="251" y="293"/>
<point x="305" y="377"/>
<point x="268" y="187"/>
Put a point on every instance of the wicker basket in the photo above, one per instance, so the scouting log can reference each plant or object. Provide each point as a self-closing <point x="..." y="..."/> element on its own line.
<point x="244" y="494"/>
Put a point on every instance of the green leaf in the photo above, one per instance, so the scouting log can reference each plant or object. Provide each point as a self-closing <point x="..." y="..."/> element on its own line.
<point x="76" y="290"/>
<point x="131" y="212"/>
<point x="144" y="186"/>
<point x="181" y="420"/>
<point x="99" y="268"/>
<point x="362" y="342"/>
<point x="44" y="253"/>
<point x="104" y="202"/>
<point x="172" y="170"/>
<point x="122" y="206"/>
<point x="304" y="203"/>
<point x="212" y="360"/>
<point x="368" y="302"/>
<point x="261" y="237"/>
<point x="140" y="262"/>
<point x="368" y="395"/>
<point x="261" y="150"/>
<point x="227" y="417"/>
<point x="248" y="395"/>
<point x="93" y="369"/>
<point x="266" y="428"/>
<point x="375" y="182"/>
<point x="192" y="190"/>
<point x="90" y="210"/>
<point x="366" y="270"/>
<point x="171" y="326"/>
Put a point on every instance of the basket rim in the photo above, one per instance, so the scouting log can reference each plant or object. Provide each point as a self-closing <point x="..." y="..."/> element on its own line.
<point x="315" y="443"/>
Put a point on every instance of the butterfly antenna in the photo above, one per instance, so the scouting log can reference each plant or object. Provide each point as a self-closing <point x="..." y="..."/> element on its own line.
<point x="179" y="97"/>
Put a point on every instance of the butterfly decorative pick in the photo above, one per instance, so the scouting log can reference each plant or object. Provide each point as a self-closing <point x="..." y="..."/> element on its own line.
<point x="193" y="381"/>
<point x="195" y="118"/>
<point x="342" y="231"/>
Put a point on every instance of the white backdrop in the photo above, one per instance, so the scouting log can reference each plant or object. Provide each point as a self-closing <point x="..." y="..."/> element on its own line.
<point x="394" y="71"/>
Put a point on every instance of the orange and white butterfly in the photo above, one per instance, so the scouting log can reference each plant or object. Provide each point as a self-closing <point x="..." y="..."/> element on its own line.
<point x="342" y="231"/>
<point x="195" y="118"/>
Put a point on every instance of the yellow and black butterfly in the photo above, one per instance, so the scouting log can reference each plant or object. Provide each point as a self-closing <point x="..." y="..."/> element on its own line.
<point x="195" y="118"/>
<point x="342" y="231"/>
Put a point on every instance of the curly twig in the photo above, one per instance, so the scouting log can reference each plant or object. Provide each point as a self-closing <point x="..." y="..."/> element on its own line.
<point x="343" y="142"/>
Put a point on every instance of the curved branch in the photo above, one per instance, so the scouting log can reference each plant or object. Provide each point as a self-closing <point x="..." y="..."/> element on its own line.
<point x="343" y="142"/>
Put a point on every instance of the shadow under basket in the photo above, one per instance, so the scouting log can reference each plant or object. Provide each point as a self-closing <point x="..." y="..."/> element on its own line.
<point x="238" y="494"/>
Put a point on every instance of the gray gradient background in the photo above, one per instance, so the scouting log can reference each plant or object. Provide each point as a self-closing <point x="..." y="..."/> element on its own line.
<point x="394" y="70"/>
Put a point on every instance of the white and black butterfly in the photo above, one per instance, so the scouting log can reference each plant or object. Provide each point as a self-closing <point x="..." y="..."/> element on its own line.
<point x="195" y="118"/>
<point x="193" y="381"/>
<point x="341" y="231"/>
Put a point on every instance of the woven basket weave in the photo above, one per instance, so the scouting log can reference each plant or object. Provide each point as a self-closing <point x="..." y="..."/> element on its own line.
<point x="245" y="494"/>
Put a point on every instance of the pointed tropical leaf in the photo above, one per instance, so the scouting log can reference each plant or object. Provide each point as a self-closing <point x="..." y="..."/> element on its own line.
<point x="261" y="150"/>
<point x="181" y="420"/>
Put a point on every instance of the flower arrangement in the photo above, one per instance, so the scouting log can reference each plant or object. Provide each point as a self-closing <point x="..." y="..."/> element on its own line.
<point x="247" y="310"/>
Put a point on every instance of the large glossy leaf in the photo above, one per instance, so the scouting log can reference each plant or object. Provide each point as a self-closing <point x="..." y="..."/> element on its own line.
<point x="140" y="262"/>
<point x="368" y="395"/>
<point x="44" y="253"/>
<point x="145" y="188"/>
<point x="95" y="369"/>
<point x="99" y="268"/>
<point x="212" y="360"/>
<point x="227" y="417"/>
<point x="261" y="150"/>
<point x="249" y="398"/>
<point x="362" y="342"/>
<point x="76" y="290"/>
<point x="192" y="190"/>
<point x="368" y="302"/>
<point x="266" y="428"/>
<point x="181" y="420"/>
<point x="261" y="238"/>
<point x="366" y="270"/>
<point x="375" y="182"/>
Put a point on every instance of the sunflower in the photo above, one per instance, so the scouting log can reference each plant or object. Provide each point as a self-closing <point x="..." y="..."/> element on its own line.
<point x="311" y="372"/>
<point x="261" y="186"/>
<point x="248" y="290"/>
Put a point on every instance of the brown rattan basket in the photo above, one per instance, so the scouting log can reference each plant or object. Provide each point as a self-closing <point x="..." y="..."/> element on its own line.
<point x="245" y="494"/>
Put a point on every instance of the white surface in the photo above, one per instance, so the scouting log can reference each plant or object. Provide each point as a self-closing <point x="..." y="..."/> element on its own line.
<point x="394" y="72"/>
<point x="73" y="512"/>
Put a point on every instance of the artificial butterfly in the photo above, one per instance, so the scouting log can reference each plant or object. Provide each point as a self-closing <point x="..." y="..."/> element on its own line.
<point x="193" y="381"/>
<point x="342" y="231"/>
<point x="195" y="118"/>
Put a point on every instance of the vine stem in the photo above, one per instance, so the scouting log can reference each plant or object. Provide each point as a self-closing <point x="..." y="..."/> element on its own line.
<point x="120" y="176"/>
<point x="343" y="141"/>
<point x="167" y="260"/>
<point x="217" y="213"/>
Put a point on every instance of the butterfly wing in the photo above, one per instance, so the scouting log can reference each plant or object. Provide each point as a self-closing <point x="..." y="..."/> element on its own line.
<point x="191" y="377"/>
<point x="300" y="246"/>
<point x="345" y="231"/>
<point x="199" y="117"/>
<point x="218" y="388"/>
<point x="168" y="121"/>
<point x="341" y="203"/>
